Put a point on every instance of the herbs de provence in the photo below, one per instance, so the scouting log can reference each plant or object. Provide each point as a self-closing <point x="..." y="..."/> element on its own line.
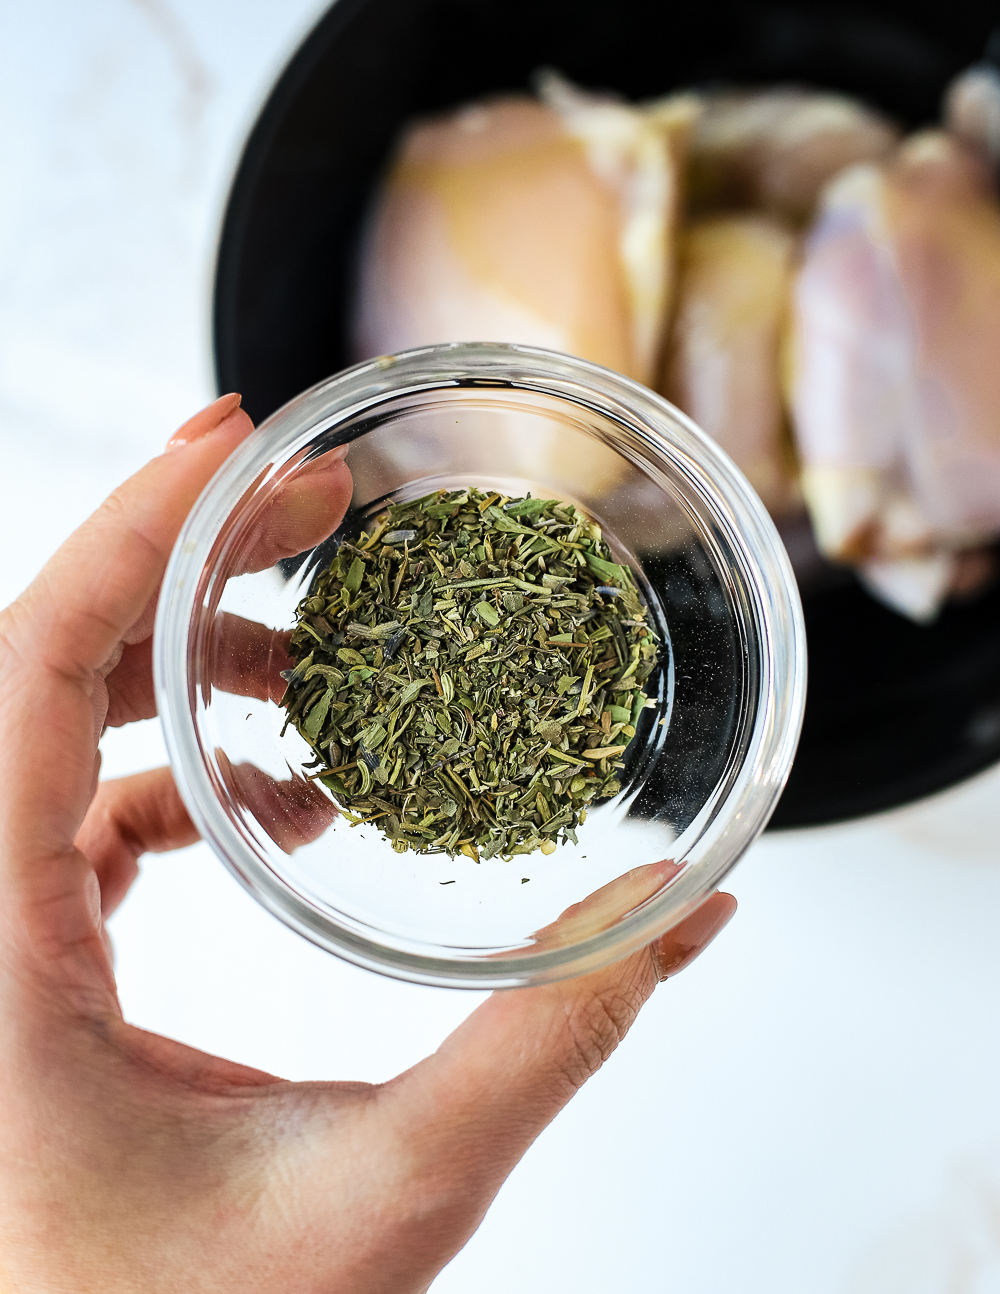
<point x="469" y="673"/>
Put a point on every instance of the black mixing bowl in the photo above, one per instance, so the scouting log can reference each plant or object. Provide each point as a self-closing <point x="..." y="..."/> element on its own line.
<point x="895" y="710"/>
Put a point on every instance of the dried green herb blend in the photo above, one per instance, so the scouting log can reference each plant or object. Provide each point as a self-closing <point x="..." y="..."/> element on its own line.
<point x="469" y="673"/>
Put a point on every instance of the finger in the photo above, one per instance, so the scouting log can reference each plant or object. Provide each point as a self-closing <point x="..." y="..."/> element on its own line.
<point x="304" y="510"/>
<point x="677" y="949"/>
<point x="499" y="1079"/>
<point x="54" y="642"/>
<point x="247" y="660"/>
<point x="130" y="692"/>
<point x="129" y="817"/>
<point x="125" y="692"/>
<point x="100" y="582"/>
<point x="292" y="812"/>
<point x="204" y="421"/>
<point x="303" y="513"/>
<point x="144" y="813"/>
<point x="607" y="905"/>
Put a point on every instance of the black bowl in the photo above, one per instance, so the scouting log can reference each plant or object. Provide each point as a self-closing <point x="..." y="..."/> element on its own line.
<point x="895" y="711"/>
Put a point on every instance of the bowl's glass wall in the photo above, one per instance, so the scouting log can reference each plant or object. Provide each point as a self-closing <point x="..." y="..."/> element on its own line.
<point x="717" y="741"/>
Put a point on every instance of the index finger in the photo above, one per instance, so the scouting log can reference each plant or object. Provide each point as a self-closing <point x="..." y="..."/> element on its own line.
<point x="303" y="512"/>
<point x="59" y="633"/>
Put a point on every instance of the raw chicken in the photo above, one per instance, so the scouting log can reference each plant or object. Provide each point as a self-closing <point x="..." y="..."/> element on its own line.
<point x="775" y="149"/>
<point x="639" y="152"/>
<point x="896" y="382"/>
<point x="972" y="109"/>
<point x="543" y="223"/>
<point x="722" y="366"/>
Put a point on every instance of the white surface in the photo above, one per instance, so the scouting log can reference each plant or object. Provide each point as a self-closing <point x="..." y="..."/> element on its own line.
<point x="813" y="1107"/>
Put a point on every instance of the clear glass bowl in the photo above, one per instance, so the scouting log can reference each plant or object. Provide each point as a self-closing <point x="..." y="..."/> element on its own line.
<point x="708" y="761"/>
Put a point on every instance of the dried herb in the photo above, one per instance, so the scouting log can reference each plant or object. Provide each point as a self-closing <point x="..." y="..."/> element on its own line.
<point x="469" y="673"/>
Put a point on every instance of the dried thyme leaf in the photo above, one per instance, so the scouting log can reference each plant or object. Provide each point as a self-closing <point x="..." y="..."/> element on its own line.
<point x="487" y="613"/>
<point x="471" y="670"/>
<point x="607" y="570"/>
<point x="355" y="575"/>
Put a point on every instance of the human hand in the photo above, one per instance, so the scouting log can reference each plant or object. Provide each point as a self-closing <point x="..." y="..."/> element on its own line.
<point x="129" y="1162"/>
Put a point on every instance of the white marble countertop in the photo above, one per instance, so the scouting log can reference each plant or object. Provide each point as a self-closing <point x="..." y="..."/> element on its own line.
<point x="813" y="1107"/>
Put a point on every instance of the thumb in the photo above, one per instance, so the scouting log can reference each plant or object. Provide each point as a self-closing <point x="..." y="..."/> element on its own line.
<point x="502" y="1076"/>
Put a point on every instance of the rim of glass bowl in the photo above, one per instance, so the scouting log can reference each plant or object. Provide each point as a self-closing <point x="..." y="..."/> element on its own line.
<point x="335" y="407"/>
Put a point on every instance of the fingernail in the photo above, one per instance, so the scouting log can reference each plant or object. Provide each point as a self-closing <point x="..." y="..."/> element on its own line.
<point x="206" y="421"/>
<point x="695" y="933"/>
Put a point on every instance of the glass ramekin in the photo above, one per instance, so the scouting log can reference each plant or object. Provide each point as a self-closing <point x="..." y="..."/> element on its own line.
<point x="709" y="759"/>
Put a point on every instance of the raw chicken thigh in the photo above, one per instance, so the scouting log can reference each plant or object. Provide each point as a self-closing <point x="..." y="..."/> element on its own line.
<point x="722" y="367"/>
<point x="972" y="109"/>
<point x="775" y="149"/>
<point x="543" y="223"/>
<point x="758" y="161"/>
<point x="896" y="381"/>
